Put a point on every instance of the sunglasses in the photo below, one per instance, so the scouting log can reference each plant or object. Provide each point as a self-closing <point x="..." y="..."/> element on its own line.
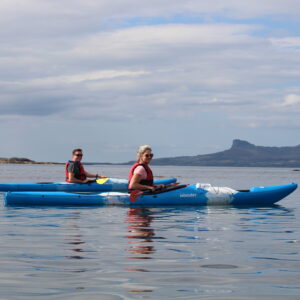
<point x="148" y="155"/>
<point x="78" y="154"/>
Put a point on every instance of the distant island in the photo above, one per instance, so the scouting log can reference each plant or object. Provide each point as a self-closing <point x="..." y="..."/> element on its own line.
<point x="241" y="154"/>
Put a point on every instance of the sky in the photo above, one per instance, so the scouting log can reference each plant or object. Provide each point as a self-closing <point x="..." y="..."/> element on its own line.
<point x="186" y="77"/>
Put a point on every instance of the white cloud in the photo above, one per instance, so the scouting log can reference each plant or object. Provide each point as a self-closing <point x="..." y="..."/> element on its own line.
<point x="84" y="77"/>
<point x="147" y="40"/>
<point x="291" y="100"/>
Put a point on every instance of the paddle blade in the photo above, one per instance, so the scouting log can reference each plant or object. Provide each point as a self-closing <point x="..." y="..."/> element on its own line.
<point x="101" y="180"/>
<point x="134" y="195"/>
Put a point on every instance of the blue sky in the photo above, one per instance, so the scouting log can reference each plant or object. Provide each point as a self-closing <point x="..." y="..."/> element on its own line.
<point x="186" y="77"/>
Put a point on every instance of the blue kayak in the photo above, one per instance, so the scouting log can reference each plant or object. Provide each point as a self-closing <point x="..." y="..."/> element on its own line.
<point x="180" y="195"/>
<point x="99" y="185"/>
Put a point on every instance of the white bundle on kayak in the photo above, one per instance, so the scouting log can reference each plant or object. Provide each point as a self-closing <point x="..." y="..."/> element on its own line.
<point x="217" y="195"/>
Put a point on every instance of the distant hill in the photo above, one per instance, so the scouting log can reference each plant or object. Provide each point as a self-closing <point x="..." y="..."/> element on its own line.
<point x="241" y="154"/>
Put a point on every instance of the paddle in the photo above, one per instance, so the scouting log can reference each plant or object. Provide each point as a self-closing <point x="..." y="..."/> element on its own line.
<point x="102" y="180"/>
<point x="134" y="195"/>
<point x="99" y="180"/>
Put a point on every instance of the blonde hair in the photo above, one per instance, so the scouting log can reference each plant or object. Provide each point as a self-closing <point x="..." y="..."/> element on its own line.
<point x="141" y="150"/>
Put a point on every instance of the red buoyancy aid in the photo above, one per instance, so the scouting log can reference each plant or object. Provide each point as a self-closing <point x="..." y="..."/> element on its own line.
<point x="81" y="174"/>
<point x="148" y="180"/>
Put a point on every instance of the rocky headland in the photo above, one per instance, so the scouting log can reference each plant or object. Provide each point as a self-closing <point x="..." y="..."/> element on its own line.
<point x="241" y="154"/>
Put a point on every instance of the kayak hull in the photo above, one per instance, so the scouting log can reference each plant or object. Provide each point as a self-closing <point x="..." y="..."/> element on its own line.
<point x="191" y="195"/>
<point x="102" y="185"/>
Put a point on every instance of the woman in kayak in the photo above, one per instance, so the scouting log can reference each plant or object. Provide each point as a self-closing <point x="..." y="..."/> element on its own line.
<point x="75" y="173"/>
<point x="140" y="175"/>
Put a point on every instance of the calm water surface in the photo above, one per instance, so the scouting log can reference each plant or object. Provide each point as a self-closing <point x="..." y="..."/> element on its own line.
<point x="156" y="253"/>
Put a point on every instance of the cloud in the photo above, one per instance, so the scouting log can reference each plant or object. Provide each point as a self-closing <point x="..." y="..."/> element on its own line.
<point x="37" y="104"/>
<point x="144" y="70"/>
<point x="287" y="42"/>
<point x="152" y="41"/>
<point x="79" y="78"/>
<point x="34" y="19"/>
<point x="117" y="64"/>
<point x="291" y="100"/>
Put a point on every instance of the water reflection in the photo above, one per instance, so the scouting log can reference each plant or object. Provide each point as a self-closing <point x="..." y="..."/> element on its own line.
<point x="75" y="240"/>
<point x="140" y="233"/>
<point x="140" y="238"/>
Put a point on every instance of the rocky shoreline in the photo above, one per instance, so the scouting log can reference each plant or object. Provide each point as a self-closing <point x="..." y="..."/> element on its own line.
<point x="22" y="160"/>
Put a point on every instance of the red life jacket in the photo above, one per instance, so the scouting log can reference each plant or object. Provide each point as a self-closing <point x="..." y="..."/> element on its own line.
<point x="81" y="174"/>
<point x="148" y="180"/>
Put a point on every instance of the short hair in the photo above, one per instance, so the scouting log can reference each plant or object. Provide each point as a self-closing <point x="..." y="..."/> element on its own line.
<point x="142" y="149"/>
<point x="76" y="150"/>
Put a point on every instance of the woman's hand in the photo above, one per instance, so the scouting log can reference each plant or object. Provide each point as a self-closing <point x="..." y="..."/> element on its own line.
<point x="159" y="187"/>
<point x="155" y="187"/>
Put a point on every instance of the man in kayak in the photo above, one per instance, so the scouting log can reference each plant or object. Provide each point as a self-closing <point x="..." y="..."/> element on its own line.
<point x="140" y="175"/>
<point x="75" y="172"/>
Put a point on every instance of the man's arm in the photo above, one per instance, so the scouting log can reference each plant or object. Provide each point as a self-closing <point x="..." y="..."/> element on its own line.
<point x="87" y="174"/>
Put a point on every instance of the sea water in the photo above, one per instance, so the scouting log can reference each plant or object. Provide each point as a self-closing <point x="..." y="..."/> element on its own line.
<point x="153" y="253"/>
